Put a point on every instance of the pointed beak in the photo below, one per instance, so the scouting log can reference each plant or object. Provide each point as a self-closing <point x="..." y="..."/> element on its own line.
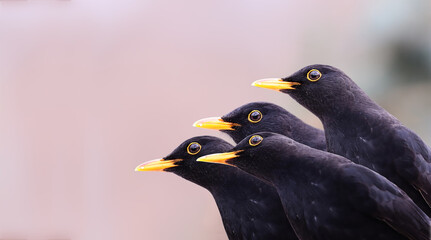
<point x="275" y="84"/>
<point x="220" y="158"/>
<point x="215" y="123"/>
<point x="157" y="165"/>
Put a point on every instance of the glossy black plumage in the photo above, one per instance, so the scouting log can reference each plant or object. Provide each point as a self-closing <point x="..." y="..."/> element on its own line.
<point x="274" y="119"/>
<point x="359" y="129"/>
<point x="327" y="196"/>
<point x="249" y="207"/>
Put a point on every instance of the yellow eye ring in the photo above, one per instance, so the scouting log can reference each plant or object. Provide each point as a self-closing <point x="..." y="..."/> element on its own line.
<point x="255" y="121"/>
<point x="192" y="152"/>
<point x="258" y="141"/>
<point x="313" y="79"/>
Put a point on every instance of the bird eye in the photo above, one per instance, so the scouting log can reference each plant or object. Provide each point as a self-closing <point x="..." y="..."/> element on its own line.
<point x="255" y="116"/>
<point x="255" y="140"/>
<point x="194" y="148"/>
<point x="314" y="75"/>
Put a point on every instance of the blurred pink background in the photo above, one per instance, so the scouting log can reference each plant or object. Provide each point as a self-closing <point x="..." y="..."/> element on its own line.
<point x="91" y="89"/>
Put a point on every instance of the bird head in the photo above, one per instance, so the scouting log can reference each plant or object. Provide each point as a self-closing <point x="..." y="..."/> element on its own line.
<point x="182" y="161"/>
<point x="319" y="88"/>
<point x="258" y="154"/>
<point x="251" y="118"/>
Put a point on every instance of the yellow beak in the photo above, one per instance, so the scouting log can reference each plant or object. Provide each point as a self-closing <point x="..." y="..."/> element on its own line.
<point x="157" y="165"/>
<point x="274" y="84"/>
<point x="215" y="123"/>
<point x="220" y="158"/>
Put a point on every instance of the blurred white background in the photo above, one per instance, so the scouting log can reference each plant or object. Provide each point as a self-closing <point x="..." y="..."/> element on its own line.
<point x="91" y="89"/>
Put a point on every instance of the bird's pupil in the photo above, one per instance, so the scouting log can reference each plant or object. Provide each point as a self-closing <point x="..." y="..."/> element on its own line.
<point x="194" y="148"/>
<point x="255" y="116"/>
<point x="255" y="140"/>
<point x="314" y="74"/>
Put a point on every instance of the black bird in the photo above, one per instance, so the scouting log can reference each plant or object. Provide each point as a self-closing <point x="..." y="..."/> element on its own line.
<point x="359" y="129"/>
<point x="249" y="207"/>
<point x="327" y="196"/>
<point x="265" y="117"/>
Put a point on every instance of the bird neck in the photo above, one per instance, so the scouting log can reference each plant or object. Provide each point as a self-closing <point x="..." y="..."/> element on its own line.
<point x="305" y="164"/>
<point x="248" y="203"/>
<point x="236" y="190"/>
<point x="358" y="120"/>
<point x="232" y="182"/>
<point x="219" y="179"/>
<point x="211" y="176"/>
<point x="308" y="135"/>
<point x="338" y="101"/>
